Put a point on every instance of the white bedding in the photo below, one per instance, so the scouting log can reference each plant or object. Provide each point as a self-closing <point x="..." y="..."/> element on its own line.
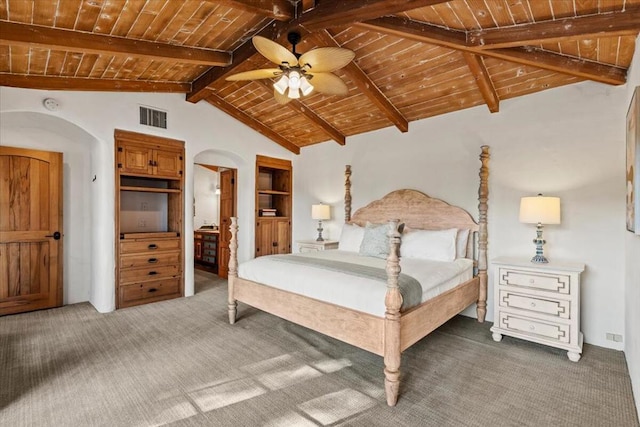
<point x="435" y="277"/>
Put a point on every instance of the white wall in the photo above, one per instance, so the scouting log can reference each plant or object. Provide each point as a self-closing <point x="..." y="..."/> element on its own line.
<point x="203" y="127"/>
<point x="205" y="197"/>
<point x="632" y="271"/>
<point x="566" y="142"/>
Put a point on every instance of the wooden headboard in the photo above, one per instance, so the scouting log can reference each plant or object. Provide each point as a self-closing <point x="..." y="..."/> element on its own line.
<point x="418" y="211"/>
<point x="415" y="210"/>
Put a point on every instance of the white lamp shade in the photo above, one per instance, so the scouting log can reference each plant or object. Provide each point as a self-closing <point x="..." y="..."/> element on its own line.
<point x="320" y="212"/>
<point x="282" y="84"/>
<point x="540" y="209"/>
<point x="305" y="86"/>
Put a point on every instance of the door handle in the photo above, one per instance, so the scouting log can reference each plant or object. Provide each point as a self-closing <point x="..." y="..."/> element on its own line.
<point x="56" y="235"/>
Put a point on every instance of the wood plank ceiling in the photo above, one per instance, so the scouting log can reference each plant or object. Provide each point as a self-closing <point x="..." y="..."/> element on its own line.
<point x="414" y="58"/>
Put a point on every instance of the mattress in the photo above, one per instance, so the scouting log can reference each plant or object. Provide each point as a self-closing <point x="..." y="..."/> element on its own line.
<point x="346" y="290"/>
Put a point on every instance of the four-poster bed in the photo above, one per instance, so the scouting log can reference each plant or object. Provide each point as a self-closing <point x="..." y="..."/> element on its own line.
<point x="395" y="329"/>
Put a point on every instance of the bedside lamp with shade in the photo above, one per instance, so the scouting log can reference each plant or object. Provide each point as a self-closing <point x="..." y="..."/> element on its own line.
<point x="320" y="212"/>
<point x="540" y="210"/>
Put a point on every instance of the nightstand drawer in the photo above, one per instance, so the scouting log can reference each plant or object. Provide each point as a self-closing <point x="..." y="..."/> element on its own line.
<point x="548" y="330"/>
<point x="552" y="282"/>
<point x="558" y="308"/>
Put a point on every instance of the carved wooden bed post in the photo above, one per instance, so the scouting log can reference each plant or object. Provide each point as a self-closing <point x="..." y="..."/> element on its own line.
<point x="483" y="196"/>
<point x="233" y="268"/>
<point x="392" y="302"/>
<point x="347" y="193"/>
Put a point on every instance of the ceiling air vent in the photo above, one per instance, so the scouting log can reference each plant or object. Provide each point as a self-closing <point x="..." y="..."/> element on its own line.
<point x="151" y="117"/>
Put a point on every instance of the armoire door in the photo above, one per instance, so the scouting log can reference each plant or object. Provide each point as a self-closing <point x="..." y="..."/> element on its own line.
<point x="30" y="230"/>
<point x="227" y="210"/>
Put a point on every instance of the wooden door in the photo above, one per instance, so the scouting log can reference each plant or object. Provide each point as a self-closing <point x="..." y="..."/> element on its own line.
<point x="135" y="159"/>
<point x="228" y="194"/>
<point x="30" y="230"/>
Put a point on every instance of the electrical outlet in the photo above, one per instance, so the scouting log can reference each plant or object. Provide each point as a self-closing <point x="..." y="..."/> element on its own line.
<point x="614" y="337"/>
<point x="144" y="206"/>
<point x="142" y="223"/>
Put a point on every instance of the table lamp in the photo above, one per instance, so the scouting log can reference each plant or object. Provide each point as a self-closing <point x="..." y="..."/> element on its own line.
<point x="540" y="210"/>
<point x="320" y="212"/>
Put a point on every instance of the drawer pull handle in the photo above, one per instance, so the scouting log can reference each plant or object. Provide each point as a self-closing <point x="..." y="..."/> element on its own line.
<point x="533" y="328"/>
<point x="531" y="281"/>
<point x="153" y="290"/>
<point x="153" y="273"/>
<point x="533" y="304"/>
<point x="153" y="246"/>
<point x="152" y="260"/>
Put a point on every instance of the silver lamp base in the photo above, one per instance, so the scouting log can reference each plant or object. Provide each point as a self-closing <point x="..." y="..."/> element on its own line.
<point x="319" y="239"/>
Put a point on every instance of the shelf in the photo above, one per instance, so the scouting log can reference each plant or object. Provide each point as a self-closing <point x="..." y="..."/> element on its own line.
<point x="272" y="217"/>
<point x="274" y="192"/>
<point x="150" y="189"/>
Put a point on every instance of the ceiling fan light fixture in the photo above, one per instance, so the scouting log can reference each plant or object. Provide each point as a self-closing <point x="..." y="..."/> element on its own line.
<point x="305" y="86"/>
<point x="294" y="93"/>
<point x="294" y="80"/>
<point x="282" y="84"/>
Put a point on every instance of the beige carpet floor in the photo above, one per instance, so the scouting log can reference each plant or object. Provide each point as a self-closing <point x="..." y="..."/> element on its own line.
<point x="180" y="363"/>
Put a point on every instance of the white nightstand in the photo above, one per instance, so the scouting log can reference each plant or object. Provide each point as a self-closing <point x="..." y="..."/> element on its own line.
<point x="538" y="302"/>
<point x="314" y="245"/>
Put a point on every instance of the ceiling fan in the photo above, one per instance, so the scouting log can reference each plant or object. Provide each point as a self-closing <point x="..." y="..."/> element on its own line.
<point x="297" y="71"/>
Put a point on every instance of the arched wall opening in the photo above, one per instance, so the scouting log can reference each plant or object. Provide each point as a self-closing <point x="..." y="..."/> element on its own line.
<point x="88" y="201"/>
<point x="245" y="177"/>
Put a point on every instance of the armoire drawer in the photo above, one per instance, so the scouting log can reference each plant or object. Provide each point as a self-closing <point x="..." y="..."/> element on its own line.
<point x="149" y="246"/>
<point x="142" y="293"/>
<point x="149" y="259"/>
<point x="553" y="307"/>
<point x="149" y="273"/>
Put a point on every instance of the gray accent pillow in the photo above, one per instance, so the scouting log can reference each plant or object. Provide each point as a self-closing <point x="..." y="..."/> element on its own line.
<point x="375" y="242"/>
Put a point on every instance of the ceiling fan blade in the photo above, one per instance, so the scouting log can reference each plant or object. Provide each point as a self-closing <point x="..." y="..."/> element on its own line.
<point x="281" y="99"/>
<point x="266" y="73"/>
<point x="326" y="59"/>
<point x="273" y="51"/>
<point x="329" y="84"/>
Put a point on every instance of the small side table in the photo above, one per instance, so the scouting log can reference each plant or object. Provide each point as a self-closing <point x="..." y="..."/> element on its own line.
<point x="315" y="246"/>
<point x="538" y="303"/>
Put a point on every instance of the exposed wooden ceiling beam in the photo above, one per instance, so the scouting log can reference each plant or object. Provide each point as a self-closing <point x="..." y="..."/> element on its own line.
<point x="102" y="85"/>
<point x="254" y="124"/>
<point x="280" y="10"/>
<point x="12" y="33"/>
<point x="336" y="13"/>
<point x="561" y="64"/>
<point x="625" y="23"/>
<point x="367" y="86"/>
<point x="242" y="53"/>
<point x="321" y="123"/>
<point x="479" y="71"/>
<point x="426" y="33"/>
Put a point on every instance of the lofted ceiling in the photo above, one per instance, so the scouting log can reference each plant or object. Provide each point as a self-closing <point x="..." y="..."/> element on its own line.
<point x="414" y="58"/>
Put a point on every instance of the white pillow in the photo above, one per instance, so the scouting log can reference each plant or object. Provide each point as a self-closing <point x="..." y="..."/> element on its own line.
<point x="351" y="238"/>
<point x="461" y="244"/>
<point x="435" y="245"/>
